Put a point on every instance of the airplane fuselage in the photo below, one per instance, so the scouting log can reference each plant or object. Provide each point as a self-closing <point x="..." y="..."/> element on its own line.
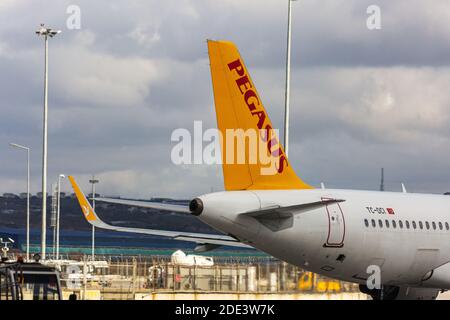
<point x="406" y="235"/>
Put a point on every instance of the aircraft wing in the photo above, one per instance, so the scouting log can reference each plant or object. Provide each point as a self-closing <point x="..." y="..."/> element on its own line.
<point x="206" y="241"/>
<point x="147" y="204"/>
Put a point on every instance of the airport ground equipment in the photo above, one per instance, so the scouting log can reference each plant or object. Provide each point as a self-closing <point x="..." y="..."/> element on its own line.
<point x="29" y="281"/>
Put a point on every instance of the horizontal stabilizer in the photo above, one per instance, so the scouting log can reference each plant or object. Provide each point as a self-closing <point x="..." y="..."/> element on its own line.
<point x="278" y="218"/>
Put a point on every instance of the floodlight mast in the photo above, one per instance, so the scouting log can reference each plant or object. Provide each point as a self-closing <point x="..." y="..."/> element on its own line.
<point x="45" y="33"/>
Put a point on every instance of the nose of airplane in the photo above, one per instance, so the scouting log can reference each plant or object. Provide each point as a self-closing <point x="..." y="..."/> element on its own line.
<point x="196" y="207"/>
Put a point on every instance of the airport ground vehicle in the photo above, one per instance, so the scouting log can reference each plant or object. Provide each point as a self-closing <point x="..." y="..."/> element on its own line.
<point x="29" y="281"/>
<point x="310" y="281"/>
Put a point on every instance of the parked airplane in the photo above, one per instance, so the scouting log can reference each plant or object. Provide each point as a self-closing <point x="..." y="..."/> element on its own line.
<point x="336" y="233"/>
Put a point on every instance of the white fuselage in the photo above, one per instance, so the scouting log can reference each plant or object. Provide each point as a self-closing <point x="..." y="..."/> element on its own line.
<point x="336" y="240"/>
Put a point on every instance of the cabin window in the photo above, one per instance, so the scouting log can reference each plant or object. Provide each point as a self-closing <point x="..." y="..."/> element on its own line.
<point x="373" y="223"/>
<point x="414" y="225"/>
<point x="434" y="225"/>
<point x="400" y="224"/>
<point x="366" y="222"/>
<point x="387" y="223"/>
<point x="427" y="225"/>
<point x="380" y="223"/>
<point x="420" y="225"/>
<point x="394" y="224"/>
<point x="446" y="225"/>
<point x="440" y="225"/>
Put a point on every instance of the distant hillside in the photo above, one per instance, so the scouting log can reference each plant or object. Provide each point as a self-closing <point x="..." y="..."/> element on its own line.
<point x="13" y="215"/>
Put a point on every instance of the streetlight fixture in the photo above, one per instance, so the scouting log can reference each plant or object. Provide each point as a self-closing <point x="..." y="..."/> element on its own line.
<point x="93" y="181"/>
<point x="46" y="33"/>
<point x="15" y="145"/>
<point x="58" y="212"/>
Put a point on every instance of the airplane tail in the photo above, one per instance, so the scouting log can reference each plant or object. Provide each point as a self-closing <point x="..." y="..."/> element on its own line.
<point x="243" y="121"/>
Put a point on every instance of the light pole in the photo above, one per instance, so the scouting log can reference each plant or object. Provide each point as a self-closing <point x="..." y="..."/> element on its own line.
<point x="93" y="181"/>
<point x="54" y="188"/>
<point x="58" y="212"/>
<point x="46" y="33"/>
<point x="15" y="145"/>
<point x="288" y="81"/>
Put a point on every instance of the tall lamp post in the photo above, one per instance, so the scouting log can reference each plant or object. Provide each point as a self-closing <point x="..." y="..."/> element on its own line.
<point x="93" y="181"/>
<point x="45" y="33"/>
<point x="58" y="214"/>
<point x="288" y="81"/>
<point x="15" y="145"/>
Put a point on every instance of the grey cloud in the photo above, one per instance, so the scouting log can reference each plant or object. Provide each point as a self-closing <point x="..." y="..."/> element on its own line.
<point x="137" y="70"/>
<point x="330" y="33"/>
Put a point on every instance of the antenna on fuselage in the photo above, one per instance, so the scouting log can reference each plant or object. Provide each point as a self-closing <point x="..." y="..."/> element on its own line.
<point x="404" y="188"/>
<point x="382" y="180"/>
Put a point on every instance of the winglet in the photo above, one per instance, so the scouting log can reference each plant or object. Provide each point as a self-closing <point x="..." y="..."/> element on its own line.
<point x="86" y="207"/>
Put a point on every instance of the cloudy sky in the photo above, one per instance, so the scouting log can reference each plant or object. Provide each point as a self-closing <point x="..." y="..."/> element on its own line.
<point x="136" y="70"/>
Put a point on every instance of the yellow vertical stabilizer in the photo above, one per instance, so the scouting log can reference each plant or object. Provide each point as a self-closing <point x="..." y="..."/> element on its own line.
<point x="240" y="110"/>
